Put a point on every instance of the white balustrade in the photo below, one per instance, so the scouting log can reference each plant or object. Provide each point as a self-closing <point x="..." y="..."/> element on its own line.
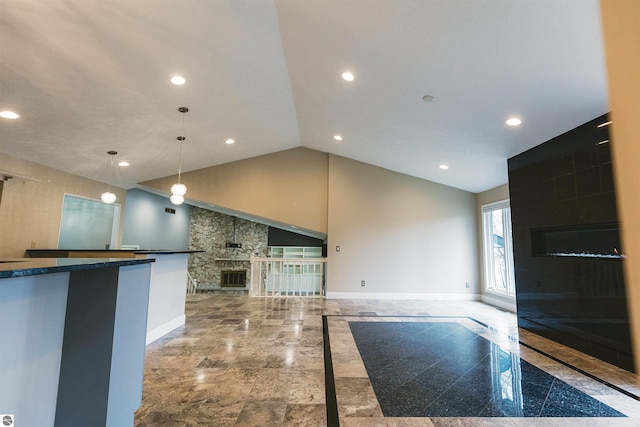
<point x="192" y="285"/>
<point x="287" y="277"/>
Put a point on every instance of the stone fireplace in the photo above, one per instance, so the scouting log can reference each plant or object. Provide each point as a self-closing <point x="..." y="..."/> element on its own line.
<point x="219" y="266"/>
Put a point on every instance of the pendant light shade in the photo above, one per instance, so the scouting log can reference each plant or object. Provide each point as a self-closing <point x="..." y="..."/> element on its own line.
<point x="176" y="199"/>
<point x="179" y="190"/>
<point x="108" y="196"/>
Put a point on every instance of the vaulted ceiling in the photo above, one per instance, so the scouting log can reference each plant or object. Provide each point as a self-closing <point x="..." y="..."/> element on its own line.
<point x="88" y="76"/>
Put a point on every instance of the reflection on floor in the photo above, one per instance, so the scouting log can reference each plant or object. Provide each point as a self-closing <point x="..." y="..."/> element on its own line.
<point x="442" y="369"/>
<point x="595" y="325"/>
<point x="240" y="361"/>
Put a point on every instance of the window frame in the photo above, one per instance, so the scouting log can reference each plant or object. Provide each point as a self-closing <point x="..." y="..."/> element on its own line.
<point x="487" y="258"/>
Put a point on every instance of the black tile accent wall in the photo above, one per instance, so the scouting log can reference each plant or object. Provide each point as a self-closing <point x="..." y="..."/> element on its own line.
<point x="279" y="237"/>
<point x="576" y="301"/>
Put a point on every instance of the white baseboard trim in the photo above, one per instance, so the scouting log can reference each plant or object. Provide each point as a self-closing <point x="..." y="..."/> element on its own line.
<point x="499" y="302"/>
<point x="400" y="296"/>
<point x="164" y="329"/>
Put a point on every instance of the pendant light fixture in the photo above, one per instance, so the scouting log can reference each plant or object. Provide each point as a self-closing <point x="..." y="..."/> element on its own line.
<point x="178" y="190"/>
<point x="108" y="196"/>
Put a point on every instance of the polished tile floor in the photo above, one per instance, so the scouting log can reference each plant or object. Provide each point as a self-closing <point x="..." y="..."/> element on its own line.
<point x="242" y="361"/>
<point x="427" y="367"/>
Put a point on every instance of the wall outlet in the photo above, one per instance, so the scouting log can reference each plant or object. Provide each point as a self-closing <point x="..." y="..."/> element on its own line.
<point x="467" y="285"/>
<point x="362" y="283"/>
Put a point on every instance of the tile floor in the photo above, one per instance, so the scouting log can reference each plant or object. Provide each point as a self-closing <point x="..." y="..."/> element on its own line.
<point x="243" y="361"/>
<point x="435" y="367"/>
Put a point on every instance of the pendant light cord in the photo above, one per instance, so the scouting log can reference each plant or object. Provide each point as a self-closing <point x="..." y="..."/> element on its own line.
<point x="110" y="173"/>
<point x="182" y="138"/>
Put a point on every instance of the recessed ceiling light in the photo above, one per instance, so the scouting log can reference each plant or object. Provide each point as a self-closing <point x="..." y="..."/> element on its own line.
<point x="601" y="125"/>
<point x="123" y="164"/>
<point x="514" y="121"/>
<point x="9" y="115"/>
<point x="428" y="98"/>
<point x="337" y="137"/>
<point x="230" y="141"/>
<point x="348" y="76"/>
<point x="444" y="167"/>
<point x="178" y="80"/>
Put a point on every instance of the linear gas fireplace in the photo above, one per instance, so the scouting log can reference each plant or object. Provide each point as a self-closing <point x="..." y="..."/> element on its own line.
<point x="581" y="241"/>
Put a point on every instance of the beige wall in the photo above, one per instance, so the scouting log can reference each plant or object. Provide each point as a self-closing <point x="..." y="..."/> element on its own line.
<point x="289" y="186"/>
<point x="31" y="212"/>
<point x="398" y="233"/>
<point x="490" y="196"/>
<point x="621" y="28"/>
<point x="401" y="234"/>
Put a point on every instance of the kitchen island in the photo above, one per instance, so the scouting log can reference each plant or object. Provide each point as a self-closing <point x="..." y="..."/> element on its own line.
<point x="168" y="292"/>
<point x="73" y="340"/>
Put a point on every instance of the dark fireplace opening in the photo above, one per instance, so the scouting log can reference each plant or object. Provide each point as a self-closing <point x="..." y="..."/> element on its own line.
<point x="583" y="241"/>
<point x="233" y="278"/>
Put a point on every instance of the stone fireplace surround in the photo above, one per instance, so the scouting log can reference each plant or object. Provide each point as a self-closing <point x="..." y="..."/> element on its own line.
<point x="210" y="231"/>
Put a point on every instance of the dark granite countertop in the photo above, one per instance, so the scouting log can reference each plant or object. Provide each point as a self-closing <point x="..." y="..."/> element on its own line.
<point x="20" y="267"/>
<point x="135" y="251"/>
<point x="164" y="252"/>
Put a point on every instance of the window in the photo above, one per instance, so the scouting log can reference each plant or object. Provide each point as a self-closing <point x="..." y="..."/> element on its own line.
<point x="88" y="224"/>
<point x="498" y="248"/>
